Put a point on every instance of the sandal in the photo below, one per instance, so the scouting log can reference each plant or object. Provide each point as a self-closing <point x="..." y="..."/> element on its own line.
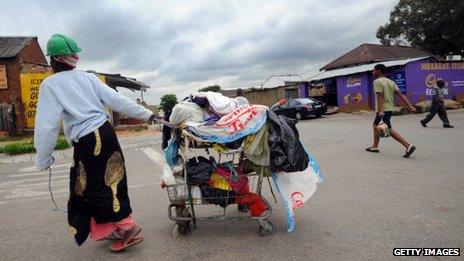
<point x="119" y="245"/>
<point x="114" y="236"/>
<point x="372" y="149"/>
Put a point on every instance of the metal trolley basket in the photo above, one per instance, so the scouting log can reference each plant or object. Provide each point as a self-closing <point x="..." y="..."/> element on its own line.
<point x="184" y="201"/>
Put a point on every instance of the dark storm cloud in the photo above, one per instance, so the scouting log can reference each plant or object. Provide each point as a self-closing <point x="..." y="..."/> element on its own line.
<point x="178" y="44"/>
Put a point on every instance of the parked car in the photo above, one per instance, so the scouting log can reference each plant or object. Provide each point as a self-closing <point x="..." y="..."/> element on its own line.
<point x="300" y="108"/>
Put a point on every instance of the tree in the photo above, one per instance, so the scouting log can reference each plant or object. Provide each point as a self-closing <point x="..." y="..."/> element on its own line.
<point x="212" y="88"/>
<point x="168" y="101"/>
<point x="431" y="25"/>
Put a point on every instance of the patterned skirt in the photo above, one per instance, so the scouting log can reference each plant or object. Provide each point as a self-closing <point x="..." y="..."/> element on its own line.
<point x="98" y="184"/>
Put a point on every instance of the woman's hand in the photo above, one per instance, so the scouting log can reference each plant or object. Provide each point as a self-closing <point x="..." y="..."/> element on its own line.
<point x="154" y="117"/>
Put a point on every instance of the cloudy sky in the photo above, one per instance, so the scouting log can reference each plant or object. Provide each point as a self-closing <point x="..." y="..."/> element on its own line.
<point x="181" y="46"/>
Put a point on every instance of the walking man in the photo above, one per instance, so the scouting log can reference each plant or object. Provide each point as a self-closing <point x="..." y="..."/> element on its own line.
<point x="385" y="90"/>
<point x="438" y="106"/>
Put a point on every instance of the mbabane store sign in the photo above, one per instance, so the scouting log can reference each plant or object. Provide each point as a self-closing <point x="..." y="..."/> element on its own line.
<point x="442" y="66"/>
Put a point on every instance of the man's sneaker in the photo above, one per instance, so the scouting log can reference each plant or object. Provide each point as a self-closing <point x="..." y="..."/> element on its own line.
<point x="448" y="126"/>
<point x="423" y="124"/>
<point x="372" y="149"/>
<point x="409" y="151"/>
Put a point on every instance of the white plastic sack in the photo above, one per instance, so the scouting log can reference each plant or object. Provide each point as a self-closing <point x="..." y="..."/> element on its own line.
<point x="196" y="195"/>
<point x="296" y="188"/>
<point x="221" y="105"/>
<point x="242" y="101"/>
<point x="186" y="111"/>
<point x="168" y="176"/>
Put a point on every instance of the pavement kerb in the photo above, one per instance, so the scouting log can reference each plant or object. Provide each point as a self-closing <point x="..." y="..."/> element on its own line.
<point x="126" y="144"/>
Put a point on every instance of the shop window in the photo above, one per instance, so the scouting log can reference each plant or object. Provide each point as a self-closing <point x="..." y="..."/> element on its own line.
<point x="291" y="93"/>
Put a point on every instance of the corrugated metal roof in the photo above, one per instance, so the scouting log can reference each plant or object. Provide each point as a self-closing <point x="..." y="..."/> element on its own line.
<point x="117" y="80"/>
<point x="359" y="69"/>
<point x="280" y="80"/>
<point x="373" y="53"/>
<point x="10" y="46"/>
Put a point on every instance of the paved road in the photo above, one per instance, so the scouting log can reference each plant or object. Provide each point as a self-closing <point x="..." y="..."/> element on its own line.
<point x="370" y="203"/>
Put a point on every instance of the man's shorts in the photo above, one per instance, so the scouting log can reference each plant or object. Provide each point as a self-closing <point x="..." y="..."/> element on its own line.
<point x="386" y="118"/>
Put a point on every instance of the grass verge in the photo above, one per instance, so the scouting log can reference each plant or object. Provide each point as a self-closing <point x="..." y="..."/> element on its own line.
<point x="22" y="147"/>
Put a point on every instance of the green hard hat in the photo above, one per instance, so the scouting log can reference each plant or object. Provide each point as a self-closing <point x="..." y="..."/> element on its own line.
<point x="60" y="44"/>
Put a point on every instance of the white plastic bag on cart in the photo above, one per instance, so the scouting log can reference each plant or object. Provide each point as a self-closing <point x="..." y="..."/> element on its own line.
<point x="186" y="111"/>
<point x="196" y="195"/>
<point x="296" y="188"/>
<point x="168" y="176"/>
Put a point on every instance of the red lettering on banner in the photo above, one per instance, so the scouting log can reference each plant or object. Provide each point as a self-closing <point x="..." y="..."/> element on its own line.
<point x="296" y="199"/>
<point x="238" y="119"/>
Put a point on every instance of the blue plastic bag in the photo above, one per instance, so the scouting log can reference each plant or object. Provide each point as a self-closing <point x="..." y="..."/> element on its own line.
<point x="172" y="152"/>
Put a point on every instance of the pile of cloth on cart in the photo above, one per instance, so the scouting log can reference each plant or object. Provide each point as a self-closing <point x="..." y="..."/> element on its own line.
<point x="268" y="142"/>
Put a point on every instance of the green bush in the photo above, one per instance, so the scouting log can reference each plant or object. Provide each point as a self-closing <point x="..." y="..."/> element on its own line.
<point x="19" y="147"/>
<point x="62" y="143"/>
<point x="168" y="101"/>
<point x="212" y="88"/>
<point x="22" y="147"/>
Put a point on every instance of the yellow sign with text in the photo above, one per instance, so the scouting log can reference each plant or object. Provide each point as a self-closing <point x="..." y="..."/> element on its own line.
<point x="30" y="86"/>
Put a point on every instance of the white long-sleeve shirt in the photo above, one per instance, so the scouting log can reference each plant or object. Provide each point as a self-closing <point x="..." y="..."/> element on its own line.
<point x="79" y="98"/>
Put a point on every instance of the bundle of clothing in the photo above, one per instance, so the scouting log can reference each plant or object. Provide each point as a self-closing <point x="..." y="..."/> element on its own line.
<point x="269" y="142"/>
<point x="205" y="107"/>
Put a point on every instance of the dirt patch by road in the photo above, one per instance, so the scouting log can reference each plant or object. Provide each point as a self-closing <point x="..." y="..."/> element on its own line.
<point x="141" y="133"/>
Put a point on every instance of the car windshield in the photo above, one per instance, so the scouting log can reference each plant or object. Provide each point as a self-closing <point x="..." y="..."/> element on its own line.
<point x="274" y="106"/>
<point x="305" y="100"/>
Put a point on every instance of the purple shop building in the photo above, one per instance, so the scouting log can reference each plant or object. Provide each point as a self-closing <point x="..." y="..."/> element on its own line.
<point x="347" y="82"/>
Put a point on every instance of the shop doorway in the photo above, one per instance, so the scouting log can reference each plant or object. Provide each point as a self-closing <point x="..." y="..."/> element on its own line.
<point x="291" y="93"/>
<point x="325" y="90"/>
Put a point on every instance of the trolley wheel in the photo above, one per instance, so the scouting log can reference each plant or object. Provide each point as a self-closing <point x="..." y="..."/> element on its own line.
<point x="181" y="228"/>
<point x="185" y="228"/>
<point x="267" y="229"/>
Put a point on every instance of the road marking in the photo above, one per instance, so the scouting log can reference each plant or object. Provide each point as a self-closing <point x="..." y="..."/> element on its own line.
<point x="154" y="155"/>
<point x="12" y="183"/>
<point x="28" y="193"/>
<point x="35" y="185"/>
<point x="28" y="169"/>
<point x="34" y="168"/>
<point x="59" y="193"/>
<point x="39" y="173"/>
<point x="62" y="165"/>
<point x="145" y="184"/>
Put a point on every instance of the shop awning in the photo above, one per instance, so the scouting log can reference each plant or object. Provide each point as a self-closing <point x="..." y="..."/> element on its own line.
<point x="359" y="69"/>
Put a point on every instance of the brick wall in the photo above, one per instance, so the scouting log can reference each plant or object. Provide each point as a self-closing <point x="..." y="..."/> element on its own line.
<point x="12" y="93"/>
<point x="31" y="53"/>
